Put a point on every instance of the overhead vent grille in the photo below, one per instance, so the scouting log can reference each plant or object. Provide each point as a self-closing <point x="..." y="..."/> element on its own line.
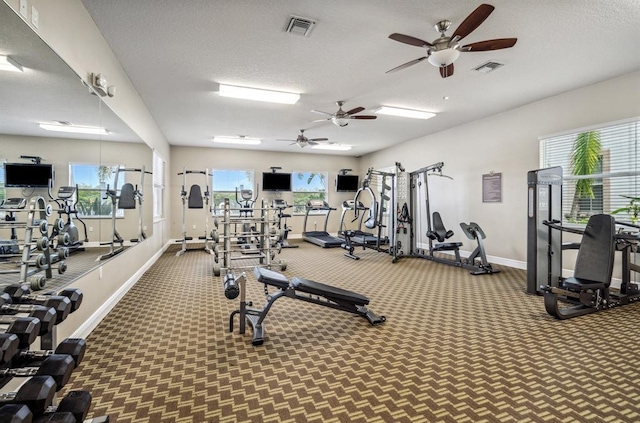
<point x="488" y="67"/>
<point x="300" y="26"/>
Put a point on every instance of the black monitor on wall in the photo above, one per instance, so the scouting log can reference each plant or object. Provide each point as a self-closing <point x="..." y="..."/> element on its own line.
<point x="26" y="175"/>
<point x="276" y="181"/>
<point x="347" y="183"/>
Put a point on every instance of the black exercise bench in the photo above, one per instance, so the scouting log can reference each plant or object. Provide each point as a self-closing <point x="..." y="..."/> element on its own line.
<point x="296" y="288"/>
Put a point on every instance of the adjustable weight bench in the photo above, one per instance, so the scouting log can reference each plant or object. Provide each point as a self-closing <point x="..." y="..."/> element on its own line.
<point x="296" y="288"/>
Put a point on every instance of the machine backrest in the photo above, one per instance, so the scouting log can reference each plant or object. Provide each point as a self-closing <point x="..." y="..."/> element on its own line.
<point x="195" y="197"/>
<point x="597" y="248"/>
<point x="127" y="199"/>
<point x="441" y="233"/>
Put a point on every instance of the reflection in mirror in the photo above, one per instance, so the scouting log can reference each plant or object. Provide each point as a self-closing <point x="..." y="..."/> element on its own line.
<point x="38" y="106"/>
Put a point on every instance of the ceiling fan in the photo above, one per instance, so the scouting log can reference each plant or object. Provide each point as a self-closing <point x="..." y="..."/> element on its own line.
<point x="303" y="141"/>
<point x="341" y="118"/>
<point x="445" y="50"/>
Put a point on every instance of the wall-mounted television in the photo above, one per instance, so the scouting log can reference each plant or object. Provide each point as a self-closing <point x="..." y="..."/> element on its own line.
<point x="347" y="183"/>
<point x="276" y="181"/>
<point x="28" y="175"/>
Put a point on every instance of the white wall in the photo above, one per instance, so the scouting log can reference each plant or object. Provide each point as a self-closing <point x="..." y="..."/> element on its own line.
<point x="195" y="158"/>
<point x="506" y="143"/>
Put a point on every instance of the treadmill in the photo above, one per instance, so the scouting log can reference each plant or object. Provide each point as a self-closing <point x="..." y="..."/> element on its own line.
<point x="321" y="238"/>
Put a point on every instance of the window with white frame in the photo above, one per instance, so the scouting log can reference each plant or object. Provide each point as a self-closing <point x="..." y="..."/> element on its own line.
<point x="308" y="186"/>
<point x="158" y="185"/>
<point x="610" y="153"/>
<point x="93" y="180"/>
<point x="225" y="182"/>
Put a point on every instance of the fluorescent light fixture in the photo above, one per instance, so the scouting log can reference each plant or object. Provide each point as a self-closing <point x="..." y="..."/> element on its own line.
<point x="258" y="95"/>
<point x="394" y="111"/>
<point x="236" y="140"/>
<point x="338" y="147"/>
<point x="78" y="129"/>
<point x="8" y="64"/>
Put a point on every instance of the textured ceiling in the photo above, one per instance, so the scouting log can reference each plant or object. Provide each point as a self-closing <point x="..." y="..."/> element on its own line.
<point x="177" y="52"/>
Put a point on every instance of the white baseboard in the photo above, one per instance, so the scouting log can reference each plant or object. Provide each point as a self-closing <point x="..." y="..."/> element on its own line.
<point x="94" y="320"/>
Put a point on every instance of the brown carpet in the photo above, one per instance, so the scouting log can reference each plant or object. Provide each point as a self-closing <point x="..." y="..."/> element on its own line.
<point x="455" y="348"/>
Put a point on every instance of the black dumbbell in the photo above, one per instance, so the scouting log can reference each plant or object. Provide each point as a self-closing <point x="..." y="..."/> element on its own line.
<point x="75" y="347"/>
<point x="22" y="294"/>
<point x="36" y="393"/>
<point x="9" y="346"/>
<point x="58" y="366"/>
<point x="47" y="315"/>
<point x="61" y="305"/>
<point x="15" y="413"/>
<point x="26" y="329"/>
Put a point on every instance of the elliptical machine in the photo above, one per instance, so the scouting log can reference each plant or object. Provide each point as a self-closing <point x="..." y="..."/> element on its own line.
<point x="283" y="230"/>
<point x="66" y="233"/>
<point x="246" y="203"/>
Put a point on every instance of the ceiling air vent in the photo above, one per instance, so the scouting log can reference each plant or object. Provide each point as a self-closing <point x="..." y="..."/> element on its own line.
<point x="488" y="67"/>
<point x="300" y="26"/>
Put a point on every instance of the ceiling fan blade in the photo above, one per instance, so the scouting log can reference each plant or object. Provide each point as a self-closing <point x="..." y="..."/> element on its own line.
<point x="310" y="142"/>
<point x="406" y="65"/>
<point x="496" y="44"/>
<point x="446" y="71"/>
<point x="320" y="120"/>
<point x="473" y="20"/>
<point x="363" y="117"/>
<point x="318" y="139"/>
<point x="407" y="39"/>
<point x="354" y="111"/>
<point x="322" y="113"/>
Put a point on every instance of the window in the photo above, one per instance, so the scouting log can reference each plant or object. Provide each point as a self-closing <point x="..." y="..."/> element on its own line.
<point x="308" y="186"/>
<point x="158" y="185"/>
<point x="610" y="152"/>
<point x="224" y="185"/>
<point x="92" y="181"/>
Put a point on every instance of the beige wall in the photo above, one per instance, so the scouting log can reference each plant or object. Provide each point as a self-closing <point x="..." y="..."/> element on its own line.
<point x="506" y="143"/>
<point x="194" y="158"/>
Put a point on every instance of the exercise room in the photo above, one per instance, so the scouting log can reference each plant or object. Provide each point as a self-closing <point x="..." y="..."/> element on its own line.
<point x="301" y="211"/>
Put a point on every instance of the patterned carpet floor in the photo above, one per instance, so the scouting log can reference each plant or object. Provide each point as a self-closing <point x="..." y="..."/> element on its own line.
<point x="454" y="348"/>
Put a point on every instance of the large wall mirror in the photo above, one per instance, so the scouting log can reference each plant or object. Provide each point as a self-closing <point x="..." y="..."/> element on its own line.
<point x="46" y="91"/>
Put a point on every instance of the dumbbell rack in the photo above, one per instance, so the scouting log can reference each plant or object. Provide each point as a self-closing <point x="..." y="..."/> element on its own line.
<point x="37" y="212"/>
<point x="266" y="247"/>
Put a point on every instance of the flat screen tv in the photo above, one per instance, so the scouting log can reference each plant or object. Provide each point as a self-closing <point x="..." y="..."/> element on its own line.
<point x="347" y="183"/>
<point x="28" y="175"/>
<point x="276" y="181"/>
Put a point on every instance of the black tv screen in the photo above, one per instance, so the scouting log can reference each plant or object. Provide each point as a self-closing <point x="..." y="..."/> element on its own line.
<point x="28" y="175"/>
<point x="347" y="183"/>
<point x="276" y="181"/>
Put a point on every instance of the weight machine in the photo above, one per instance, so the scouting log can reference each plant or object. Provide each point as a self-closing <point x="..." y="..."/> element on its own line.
<point x="195" y="199"/>
<point x="67" y="233"/>
<point x="409" y="216"/>
<point x="130" y="198"/>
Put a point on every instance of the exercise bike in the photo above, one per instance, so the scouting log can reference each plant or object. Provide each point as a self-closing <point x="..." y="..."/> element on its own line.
<point x="283" y="230"/>
<point x="66" y="233"/>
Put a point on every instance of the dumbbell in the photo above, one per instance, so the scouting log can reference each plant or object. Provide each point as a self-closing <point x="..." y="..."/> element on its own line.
<point x="46" y="315"/>
<point x="74" y="407"/>
<point x="15" y="413"/>
<point x="75" y="347"/>
<point x="9" y="346"/>
<point x="36" y="393"/>
<point x="58" y="366"/>
<point x="22" y="294"/>
<point x="26" y="329"/>
<point x="61" y="305"/>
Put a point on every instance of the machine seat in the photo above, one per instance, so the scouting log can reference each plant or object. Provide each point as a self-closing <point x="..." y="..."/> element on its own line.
<point x="578" y="284"/>
<point x="447" y="246"/>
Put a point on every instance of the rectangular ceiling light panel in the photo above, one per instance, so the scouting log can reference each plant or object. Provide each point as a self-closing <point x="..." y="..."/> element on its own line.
<point x="8" y="64"/>
<point x="76" y="129"/>
<point x="409" y="113"/>
<point x="338" y="147"/>
<point x="258" y="94"/>
<point x="236" y="140"/>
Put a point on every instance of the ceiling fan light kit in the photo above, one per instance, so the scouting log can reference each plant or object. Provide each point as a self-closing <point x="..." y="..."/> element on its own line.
<point x="257" y="94"/>
<point x="444" y="51"/>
